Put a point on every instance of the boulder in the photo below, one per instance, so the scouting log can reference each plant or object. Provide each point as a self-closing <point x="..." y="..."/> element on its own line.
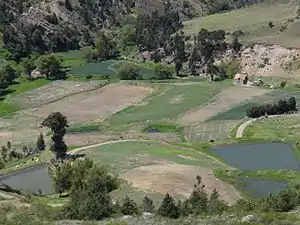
<point x="147" y="215"/>
<point x="249" y="219"/>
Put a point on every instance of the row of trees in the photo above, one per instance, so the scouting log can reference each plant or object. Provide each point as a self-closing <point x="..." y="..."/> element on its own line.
<point x="91" y="186"/>
<point x="283" y="106"/>
<point x="132" y="72"/>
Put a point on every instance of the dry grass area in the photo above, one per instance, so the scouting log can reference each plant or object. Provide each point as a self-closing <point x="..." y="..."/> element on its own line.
<point x="94" y="106"/>
<point x="177" y="180"/>
<point x="220" y="103"/>
<point x="53" y="92"/>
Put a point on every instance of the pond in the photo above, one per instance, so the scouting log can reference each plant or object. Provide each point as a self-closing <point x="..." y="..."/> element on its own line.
<point x="258" y="187"/>
<point x="259" y="156"/>
<point x="30" y="179"/>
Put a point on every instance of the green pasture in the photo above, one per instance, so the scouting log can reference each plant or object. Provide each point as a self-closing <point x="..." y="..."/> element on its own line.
<point x="6" y="106"/>
<point x="278" y="128"/>
<point x="238" y="112"/>
<point x="168" y="103"/>
<point x="109" y="68"/>
<point x="120" y="157"/>
<point x="73" y="58"/>
<point x="253" y="21"/>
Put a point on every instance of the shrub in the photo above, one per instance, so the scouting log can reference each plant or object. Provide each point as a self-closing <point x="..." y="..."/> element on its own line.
<point x="128" y="207"/>
<point x="291" y="103"/>
<point x="147" y="205"/>
<point x="229" y="69"/>
<point x="168" y="208"/>
<point x="163" y="72"/>
<point x="129" y="72"/>
<point x="283" y="83"/>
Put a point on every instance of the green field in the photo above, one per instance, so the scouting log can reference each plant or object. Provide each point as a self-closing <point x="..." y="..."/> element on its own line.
<point x="120" y="157"/>
<point x="238" y="112"/>
<point x="280" y="128"/>
<point x="170" y="102"/>
<point x="72" y="58"/>
<point x="6" y="107"/>
<point x="253" y="21"/>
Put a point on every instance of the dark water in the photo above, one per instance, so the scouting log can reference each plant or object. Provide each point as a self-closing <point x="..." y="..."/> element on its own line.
<point x="31" y="179"/>
<point x="258" y="187"/>
<point x="259" y="156"/>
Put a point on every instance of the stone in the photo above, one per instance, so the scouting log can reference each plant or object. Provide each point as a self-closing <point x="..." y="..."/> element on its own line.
<point x="126" y="217"/>
<point x="248" y="219"/>
<point x="147" y="215"/>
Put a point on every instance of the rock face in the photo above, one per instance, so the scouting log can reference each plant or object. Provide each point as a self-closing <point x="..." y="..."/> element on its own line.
<point x="57" y="25"/>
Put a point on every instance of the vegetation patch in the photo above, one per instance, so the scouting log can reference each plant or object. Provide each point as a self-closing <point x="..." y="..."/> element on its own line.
<point x="84" y="128"/>
<point x="159" y="107"/>
<point x="164" y="128"/>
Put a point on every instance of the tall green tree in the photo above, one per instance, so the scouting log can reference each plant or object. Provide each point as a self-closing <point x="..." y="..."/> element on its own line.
<point x="168" y="208"/>
<point x="51" y="66"/>
<point x="58" y="124"/>
<point x="40" y="143"/>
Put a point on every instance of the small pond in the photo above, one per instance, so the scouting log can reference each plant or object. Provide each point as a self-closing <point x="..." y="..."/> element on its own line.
<point x="258" y="187"/>
<point x="30" y="179"/>
<point x="259" y="156"/>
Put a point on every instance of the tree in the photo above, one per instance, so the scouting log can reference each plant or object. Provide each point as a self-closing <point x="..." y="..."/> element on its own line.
<point x="291" y="103"/>
<point x="28" y="66"/>
<point x="4" y="152"/>
<point x="7" y="74"/>
<point x="168" y="208"/>
<point x="104" y="47"/>
<point x="215" y="204"/>
<point x="129" y="72"/>
<point x="163" y="72"/>
<point x="90" y="186"/>
<point x="147" y="205"/>
<point x="63" y="178"/>
<point x="51" y="66"/>
<point x="40" y="143"/>
<point x="198" y="198"/>
<point x="58" y="124"/>
<point x="129" y="207"/>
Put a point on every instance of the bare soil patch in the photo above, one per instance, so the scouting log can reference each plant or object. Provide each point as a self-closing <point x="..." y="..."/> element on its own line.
<point x="94" y="106"/>
<point x="220" y="103"/>
<point x="177" y="180"/>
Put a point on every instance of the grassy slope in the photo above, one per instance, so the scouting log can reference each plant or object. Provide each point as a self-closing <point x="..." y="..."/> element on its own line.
<point x="163" y="106"/>
<point x="254" y="22"/>
<point x="6" y="106"/>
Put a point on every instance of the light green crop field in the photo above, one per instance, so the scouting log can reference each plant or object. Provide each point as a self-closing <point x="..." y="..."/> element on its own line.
<point x="120" y="157"/>
<point x="168" y="103"/>
<point x="253" y="21"/>
<point x="238" y="112"/>
<point x="279" y="128"/>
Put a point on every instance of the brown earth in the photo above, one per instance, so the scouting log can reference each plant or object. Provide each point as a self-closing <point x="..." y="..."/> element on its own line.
<point x="178" y="180"/>
<point x="94" y="106"/>
<point x="223" y="101"/>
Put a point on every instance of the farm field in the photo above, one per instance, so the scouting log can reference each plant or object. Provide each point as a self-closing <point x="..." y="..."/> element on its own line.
<point x="108" y="68"/>
<point x="279" y="128"/>
<point x="169" y="103"/>
<point x="253" y="21"/>
<point x="153" y="167"/>
<point x="238" y="112"/>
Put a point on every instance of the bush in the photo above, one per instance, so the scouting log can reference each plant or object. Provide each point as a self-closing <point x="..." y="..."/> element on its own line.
<point x="163" y="72"/>
<point x="129" y="72"/>
<point x="147" y="205"/>
<point x="128" y="207"/>
<point x="168" y="208"/>
<point x="228" y="69"/>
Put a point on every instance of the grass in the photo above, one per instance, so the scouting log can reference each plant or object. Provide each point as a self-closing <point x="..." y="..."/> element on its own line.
<point x="83" y="128"/>
<point x="7" y="107"/>
<point x="72" y="59"/>
<point x="164" y="128"/>
<point x="253" y="21"/>
<point x="238" y="112"/>
<point x="119" y="157"/>
<point x="281" y="128"/>
<point x="169" y="103"/>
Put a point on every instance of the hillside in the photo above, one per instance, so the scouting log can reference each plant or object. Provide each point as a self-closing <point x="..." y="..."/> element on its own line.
<point x="60" y="25"/>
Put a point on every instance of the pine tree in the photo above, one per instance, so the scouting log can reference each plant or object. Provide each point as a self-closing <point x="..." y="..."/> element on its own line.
<point x="40" y="143"/>
<point x="129" y="207"/>
<point x="199" y="198"/>
<point x="147" y="205"/>
<point x="168" y="208"/>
